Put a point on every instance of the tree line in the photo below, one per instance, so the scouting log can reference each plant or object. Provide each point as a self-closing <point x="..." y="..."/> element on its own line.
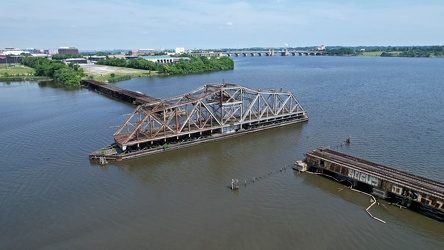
<point x="340" y="52"/>
<point x="195" y="65"/>
<point x="413" y="51"/>
<point x="432" y="51"/>
<point x="70" y="74"/>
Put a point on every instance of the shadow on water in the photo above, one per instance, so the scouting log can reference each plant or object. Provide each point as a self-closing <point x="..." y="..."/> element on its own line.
<point x="56" y="85"/>
<point x="249" y="155"/>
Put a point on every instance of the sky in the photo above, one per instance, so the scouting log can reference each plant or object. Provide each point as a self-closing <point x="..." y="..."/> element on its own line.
<point x="213" y="24"/>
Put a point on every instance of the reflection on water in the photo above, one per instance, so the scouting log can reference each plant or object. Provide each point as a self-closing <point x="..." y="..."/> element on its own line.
<point x="56" y="85"/>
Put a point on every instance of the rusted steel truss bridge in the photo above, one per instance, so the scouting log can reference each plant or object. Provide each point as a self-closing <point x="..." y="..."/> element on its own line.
<point x="217" y="108"/>
<point x="211" y="112"/>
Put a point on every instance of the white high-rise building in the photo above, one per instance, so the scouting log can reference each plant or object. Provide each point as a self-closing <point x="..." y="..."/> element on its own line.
<point x="180" y="50"/>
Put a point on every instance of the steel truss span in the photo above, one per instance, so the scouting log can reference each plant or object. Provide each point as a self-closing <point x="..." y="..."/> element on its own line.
<point x="207" y="111"/>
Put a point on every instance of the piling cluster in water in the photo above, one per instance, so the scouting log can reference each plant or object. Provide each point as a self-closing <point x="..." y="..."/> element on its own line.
<point x="254" y="179"/>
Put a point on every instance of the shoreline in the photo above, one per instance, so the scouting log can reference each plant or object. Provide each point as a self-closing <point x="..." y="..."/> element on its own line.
<point x="24" y="78"/>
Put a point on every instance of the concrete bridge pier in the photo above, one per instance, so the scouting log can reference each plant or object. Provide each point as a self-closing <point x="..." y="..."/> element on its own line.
<point x="285" y="52"/>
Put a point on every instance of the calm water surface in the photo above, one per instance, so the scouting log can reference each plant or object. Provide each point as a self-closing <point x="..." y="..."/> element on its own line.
<point x="52" y="197"/>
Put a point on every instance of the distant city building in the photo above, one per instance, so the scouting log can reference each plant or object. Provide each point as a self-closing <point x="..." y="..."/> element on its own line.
<point x="41" y="55"/>
<point x="322" y="47"/>
<point x="146" y="52"/>
<point x="37" y="51"/>
<point x="9" y="59"/>
<point x="97" y="58"/>
<point x="165" y="59"/>
<point x="13" y="51"/>
<point x="120" y="56"/>
<point x="75" y="60"/>
<point x="50" y="51"/>
<point x="3" y="59"/>
<point x="180" y="50"/>
<point x="133" y="53"/>
<point x="68" y="50"/>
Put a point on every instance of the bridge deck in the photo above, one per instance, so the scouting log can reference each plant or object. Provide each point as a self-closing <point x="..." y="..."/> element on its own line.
<point x="409" y="180"/>
<point x="122" y="94"/>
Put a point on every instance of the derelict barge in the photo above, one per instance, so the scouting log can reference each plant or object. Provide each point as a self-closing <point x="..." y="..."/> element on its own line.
<point x="404" y="189"/>
<point x="211" y="112"/>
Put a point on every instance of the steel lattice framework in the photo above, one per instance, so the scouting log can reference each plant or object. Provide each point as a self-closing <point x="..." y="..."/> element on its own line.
<point x="215" y="108"/>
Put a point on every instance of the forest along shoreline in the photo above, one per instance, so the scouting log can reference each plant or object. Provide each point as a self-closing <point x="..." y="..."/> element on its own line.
<point x="108" y="70"/>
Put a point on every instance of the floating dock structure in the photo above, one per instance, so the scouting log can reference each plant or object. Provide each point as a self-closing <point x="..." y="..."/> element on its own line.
<point x="384" y="182"/>
<point x="133" y="97"/>
<point x="211" y="112"/>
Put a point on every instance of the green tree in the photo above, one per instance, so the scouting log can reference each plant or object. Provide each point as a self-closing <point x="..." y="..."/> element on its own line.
<point x="67" y="74"/>
<point x="102" y="54"/>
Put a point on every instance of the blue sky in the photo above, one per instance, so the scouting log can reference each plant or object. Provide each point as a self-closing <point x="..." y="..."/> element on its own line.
<point x="202" y="24"/>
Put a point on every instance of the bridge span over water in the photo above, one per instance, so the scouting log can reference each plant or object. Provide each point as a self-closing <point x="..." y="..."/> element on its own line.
<point x="272" y="52"/>
<point x="211" y="112"/>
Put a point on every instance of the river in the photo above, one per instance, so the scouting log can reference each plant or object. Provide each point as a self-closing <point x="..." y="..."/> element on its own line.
<point x="52" y="197"/>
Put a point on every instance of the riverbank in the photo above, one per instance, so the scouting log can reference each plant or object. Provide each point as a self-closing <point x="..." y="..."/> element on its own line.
<point x="24" y="78"/>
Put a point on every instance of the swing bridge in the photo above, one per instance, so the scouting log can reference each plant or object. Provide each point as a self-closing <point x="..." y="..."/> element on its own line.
<point x="211" y="112"/>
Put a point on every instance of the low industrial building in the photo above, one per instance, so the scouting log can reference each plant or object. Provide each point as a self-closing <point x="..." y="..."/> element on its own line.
<point x="76" y="60"/>
<point x="165" y="59"/>
<point x="97" y="58"/>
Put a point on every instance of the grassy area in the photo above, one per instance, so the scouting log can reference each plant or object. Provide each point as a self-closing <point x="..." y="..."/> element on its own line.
<point x="373" y="53"/>
<point x="106" y="77"/>
<point x="103" y="73"/>
<point x="15" y="70"/>
<point x="394" y="53"/>
<point x="378" y="53"/>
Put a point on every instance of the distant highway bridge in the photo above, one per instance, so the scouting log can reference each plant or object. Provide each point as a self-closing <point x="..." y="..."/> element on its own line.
<point x="272" y="52"/>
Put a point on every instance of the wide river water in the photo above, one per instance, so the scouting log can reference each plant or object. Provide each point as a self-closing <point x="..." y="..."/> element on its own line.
<point x="52" y="197"/>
